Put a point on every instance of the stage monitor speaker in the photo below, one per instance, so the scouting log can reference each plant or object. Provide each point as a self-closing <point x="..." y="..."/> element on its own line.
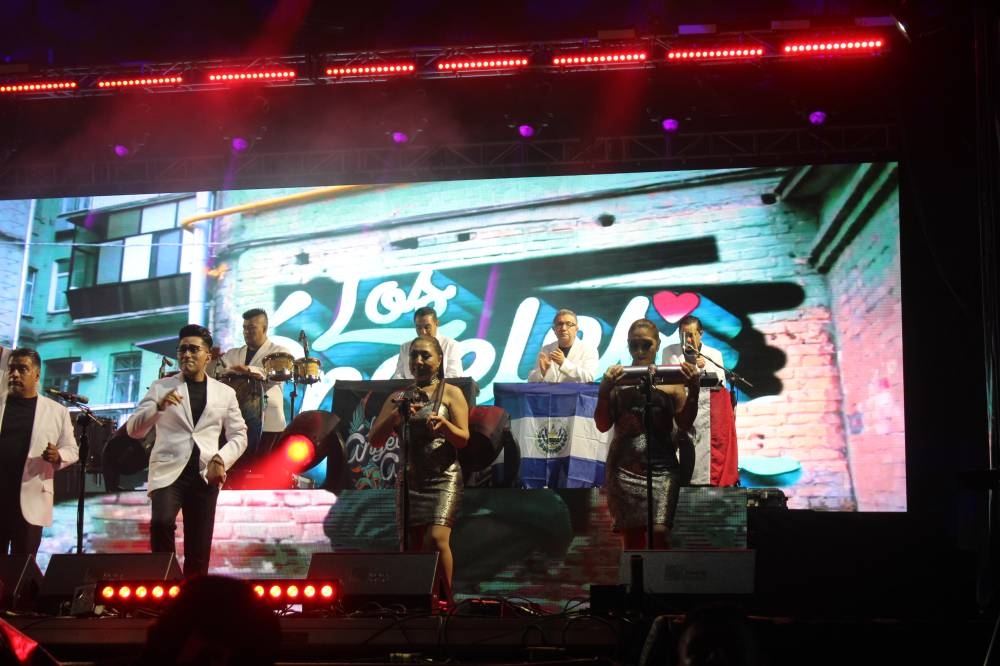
<point x="20" y="579"/>
<point x="694" y="572"/>
<point x="371" y="580"/>
<point x="68" y="575"/>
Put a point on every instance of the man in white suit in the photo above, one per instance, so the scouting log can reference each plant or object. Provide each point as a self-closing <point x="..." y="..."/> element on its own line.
<point x="187" y="466"/>
<point x="568" y="359"/>
<point x="248" y="360"/>
<point x="36" y="439"/>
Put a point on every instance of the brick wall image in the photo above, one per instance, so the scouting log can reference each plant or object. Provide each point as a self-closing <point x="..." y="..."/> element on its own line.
<point x="784" y="291"/>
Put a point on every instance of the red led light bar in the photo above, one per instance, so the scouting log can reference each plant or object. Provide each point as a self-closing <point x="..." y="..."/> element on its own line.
<point x="623" y="58"/>
<point x="716" y="53"/>
<point x="127" y="594"/>
<point x="834" y="46"/>
<point x="37" y="86"/>
<point x="141" y="82"/>
<point x="485" y="63"/>
<point x="370" y="70"/>
<point x="244" y="75"/>
<point x="281" y="593"/>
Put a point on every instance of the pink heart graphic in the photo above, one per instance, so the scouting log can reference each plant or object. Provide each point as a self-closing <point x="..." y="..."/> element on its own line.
<point x="673" y="307"/>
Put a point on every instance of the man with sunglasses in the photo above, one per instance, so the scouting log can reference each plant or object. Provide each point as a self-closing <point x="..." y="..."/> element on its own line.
<point x="187" y="465"/>
<point x="568" y="358"/>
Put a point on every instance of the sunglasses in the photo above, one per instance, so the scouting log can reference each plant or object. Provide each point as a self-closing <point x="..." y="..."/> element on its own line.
<point x="191" y="349"/>
<point x="640" y="345"/>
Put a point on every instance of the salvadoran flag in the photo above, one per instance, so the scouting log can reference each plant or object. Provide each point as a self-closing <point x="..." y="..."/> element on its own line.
<point x="553" y="425"/>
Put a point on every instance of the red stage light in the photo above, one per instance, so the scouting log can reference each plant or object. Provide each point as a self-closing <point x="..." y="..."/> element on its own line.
<point x="107" y="592"/>
<point x="299" y="449"/>
<point x="260" y="75"/>
<point x="124" y="591"/>
<point x="281" y="593"/>
<point x="491" y="63"/>
<point x="623" y="58"/>
<point x="37" y="86"/>
<point x="716" y="53"/>
<point x="835" y="46"/>
<point x="158" y="592"/>
<point x="372" y="70"/>
<point x="143" y="82"/>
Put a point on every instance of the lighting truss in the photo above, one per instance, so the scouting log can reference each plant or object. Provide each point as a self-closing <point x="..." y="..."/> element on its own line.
<point x="428" y="63"/>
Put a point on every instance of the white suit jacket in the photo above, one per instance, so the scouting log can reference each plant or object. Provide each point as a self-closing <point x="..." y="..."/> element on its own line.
<point x="177" y="434"/>
<point x="674" y="355"/>
<point x="580" y="365"/>
<point x="452" y="360"/>
<point x="274" y="412"/>
<point x="4" y="358"/>
<point x="52" y="425"/>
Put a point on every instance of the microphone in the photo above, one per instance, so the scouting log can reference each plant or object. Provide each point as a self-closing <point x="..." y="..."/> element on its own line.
<point x="658" y="374"/>
<point x="67" y="396"/>
<point x="304" y="342"/>
<point x="690" y="354"/>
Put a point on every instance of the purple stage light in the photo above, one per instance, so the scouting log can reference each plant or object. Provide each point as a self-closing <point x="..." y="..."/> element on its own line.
<point x="526" y="131"/>
<point x="817" y="117"/>
<point x="120" y="150"/>
<point x="670" y="124"/>
<point x="399" y="137"/>
<point x="240" y="144"/>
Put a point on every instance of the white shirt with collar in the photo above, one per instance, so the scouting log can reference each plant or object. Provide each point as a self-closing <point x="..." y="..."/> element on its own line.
<point x="674" y="355"/>
<point x="274" y="413"/>
<point x="579" y="366"/>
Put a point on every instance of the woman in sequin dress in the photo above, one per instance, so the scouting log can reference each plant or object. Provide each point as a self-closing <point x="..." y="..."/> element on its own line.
<point x="433" y="476"/>
<point x="626" y="468"/>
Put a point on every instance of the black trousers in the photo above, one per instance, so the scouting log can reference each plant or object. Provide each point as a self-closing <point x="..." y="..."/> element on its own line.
<point x="18" y="536"/>
<point x="190" y="494"/>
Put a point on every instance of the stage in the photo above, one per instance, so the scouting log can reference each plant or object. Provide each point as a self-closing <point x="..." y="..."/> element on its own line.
<point x="556" y="638"/>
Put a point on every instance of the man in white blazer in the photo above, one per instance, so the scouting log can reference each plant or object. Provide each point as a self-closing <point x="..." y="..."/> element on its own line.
<point x="568" y="359"/>
<point x="4" y="357"/>
<point x="187" y="466"/>
<point x="36" y="439"/>
<point x="249" y="360"/>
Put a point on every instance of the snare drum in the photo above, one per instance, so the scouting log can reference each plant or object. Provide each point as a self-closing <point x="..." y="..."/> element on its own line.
<point x="307" y="370"/>
<point x="279" y="367"/>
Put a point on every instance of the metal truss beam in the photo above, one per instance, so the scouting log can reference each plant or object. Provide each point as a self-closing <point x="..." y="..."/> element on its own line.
<point x="796" y="145"/>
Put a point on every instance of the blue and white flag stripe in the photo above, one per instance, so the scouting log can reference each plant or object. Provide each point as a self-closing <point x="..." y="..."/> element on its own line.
<point x="554" y="427"/>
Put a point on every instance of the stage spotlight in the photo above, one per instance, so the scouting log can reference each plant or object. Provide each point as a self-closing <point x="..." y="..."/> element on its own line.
<point x="239" y="144"/>
<point x="308" y="439"/>
<point x="817" y="118"/>
<point x="670" y="125"/>
<point x="606" y="219"/>
<point x="399" y="138"/>
<point x="526" y="131"/>
<point x="121" y="150"/>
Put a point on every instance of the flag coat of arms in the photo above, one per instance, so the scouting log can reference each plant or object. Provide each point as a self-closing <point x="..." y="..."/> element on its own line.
<point x="554" y="427"/>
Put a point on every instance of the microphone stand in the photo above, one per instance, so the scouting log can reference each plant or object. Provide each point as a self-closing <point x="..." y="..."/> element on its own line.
<point x="646" y="389"/>
<point x="86" y="414"/>
<point x="404" y="444"/>
<point x="734" y="379"/>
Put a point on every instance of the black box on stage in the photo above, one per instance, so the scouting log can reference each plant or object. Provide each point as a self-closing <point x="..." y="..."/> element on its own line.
<point x="67" y="574"/>
<point x="20" y="579"/>
<point x="409" y="580"/>
<point x="695" y="572"/>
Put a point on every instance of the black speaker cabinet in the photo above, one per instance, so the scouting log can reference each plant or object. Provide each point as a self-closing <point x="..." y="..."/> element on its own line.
<point x="20" y="578"/>
<point x="373" y="580"/>
<point x="67" y="575"/>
